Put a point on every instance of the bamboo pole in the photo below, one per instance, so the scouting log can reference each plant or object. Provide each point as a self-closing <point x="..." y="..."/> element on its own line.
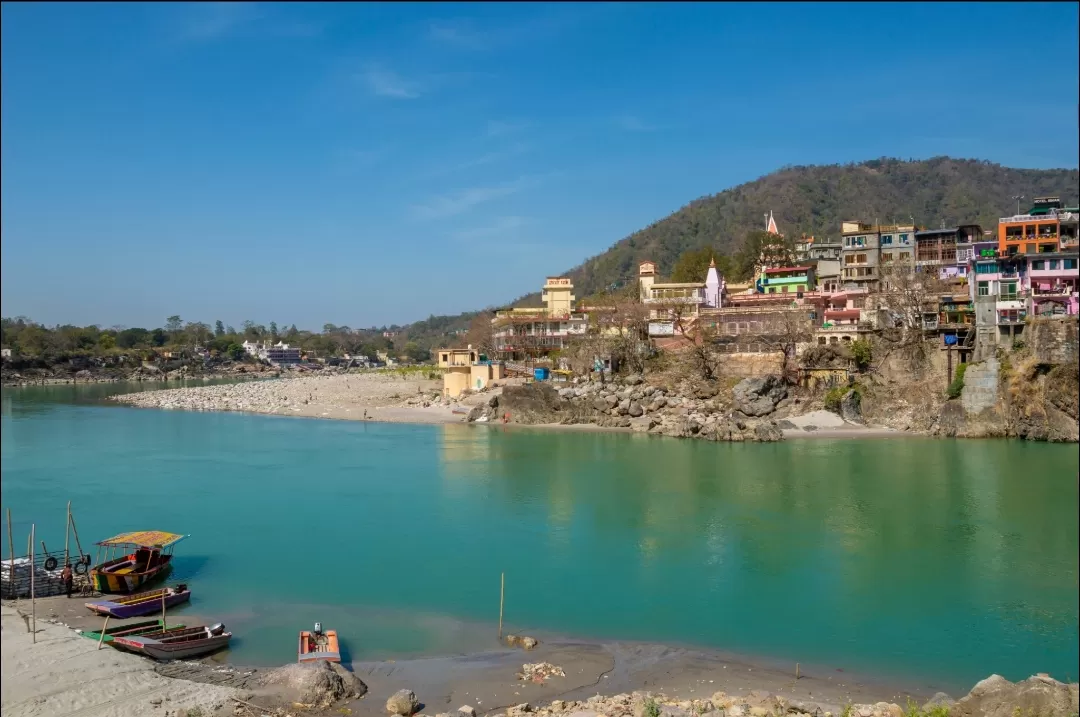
<point x="76" y="532"/>
<point x="11" y="549"/>
<point x="163" y="627"/>
<point x="33" y="596"/>
<point x="797" y="675"/>
<point x="502" y="599"/>
<point x="67" y="531"/>
<point x="104" y="627"/>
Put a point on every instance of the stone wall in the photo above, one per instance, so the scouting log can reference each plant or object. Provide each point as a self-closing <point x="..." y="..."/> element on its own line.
<point x="1054" y="341"/>
<point x="981" y="386"/>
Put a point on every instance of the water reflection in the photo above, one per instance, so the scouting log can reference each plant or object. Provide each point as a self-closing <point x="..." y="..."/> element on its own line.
<point x="889" y="540"/>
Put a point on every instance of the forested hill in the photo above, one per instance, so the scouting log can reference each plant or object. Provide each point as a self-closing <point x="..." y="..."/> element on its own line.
<point x="815" y="200"/>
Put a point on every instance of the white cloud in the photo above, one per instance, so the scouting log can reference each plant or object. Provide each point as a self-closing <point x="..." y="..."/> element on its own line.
<point x="498" y="228"/>
<point x="460" y="33"/>
<point x="212" y="20"/>
<point x="386" y="83"/>
<point x="459" y="202"/>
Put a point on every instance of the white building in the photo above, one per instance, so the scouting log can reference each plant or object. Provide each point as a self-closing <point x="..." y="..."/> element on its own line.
<point x="279" y="354"/>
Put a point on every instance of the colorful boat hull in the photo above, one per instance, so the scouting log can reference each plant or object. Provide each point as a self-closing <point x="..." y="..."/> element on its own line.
<point x="123" y="576"/>
<point x="323" y="648"/>
<point x="175" y="645"/>
<point x="147" y="603"/>
<point x="130" y="630"/>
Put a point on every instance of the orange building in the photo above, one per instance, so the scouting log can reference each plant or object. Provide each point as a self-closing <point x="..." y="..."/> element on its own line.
<point x="1045" y="228"/>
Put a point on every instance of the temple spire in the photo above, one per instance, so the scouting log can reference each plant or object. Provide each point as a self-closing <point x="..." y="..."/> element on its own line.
<point x="770" y="225"/>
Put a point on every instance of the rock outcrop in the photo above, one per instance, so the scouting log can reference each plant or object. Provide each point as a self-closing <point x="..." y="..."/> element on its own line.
<point x="997" y="697"/>
<point x="402" y="703"/>
<point x="316" y="683"/>
<point x="694" y="412"/>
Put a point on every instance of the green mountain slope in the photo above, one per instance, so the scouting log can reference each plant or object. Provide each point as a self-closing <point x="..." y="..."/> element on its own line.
<point x="815" y="200"/>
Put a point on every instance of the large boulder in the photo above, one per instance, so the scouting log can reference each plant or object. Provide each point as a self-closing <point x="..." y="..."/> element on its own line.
<point x="402" y="703"/>
<point x="997" y="697"/>
<point x="316" y="683"/>
<point x="759" y="396"/>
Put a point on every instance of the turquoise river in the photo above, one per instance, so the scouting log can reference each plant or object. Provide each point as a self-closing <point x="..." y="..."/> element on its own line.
<point x="905" y="558"/>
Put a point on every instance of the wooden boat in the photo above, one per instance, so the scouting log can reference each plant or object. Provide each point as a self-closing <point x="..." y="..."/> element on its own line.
<point x="177" y="644"/>
<point x="146" y="603"/>
<point x="130" y="630"/>
<point x="144" y="556"/>
<point x="318" y="646"/>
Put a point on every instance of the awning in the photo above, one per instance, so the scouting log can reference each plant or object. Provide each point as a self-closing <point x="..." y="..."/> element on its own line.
<point x="145" y="539"/>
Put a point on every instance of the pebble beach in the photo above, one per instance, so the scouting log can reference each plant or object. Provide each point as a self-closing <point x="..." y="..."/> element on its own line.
<point x="358" y="396"/>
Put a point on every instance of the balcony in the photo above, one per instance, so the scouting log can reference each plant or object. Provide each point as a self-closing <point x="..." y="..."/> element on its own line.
<point x="1011" y="319"/>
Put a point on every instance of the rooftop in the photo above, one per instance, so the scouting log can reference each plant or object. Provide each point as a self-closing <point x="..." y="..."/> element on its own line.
<point x="782" y="269"/>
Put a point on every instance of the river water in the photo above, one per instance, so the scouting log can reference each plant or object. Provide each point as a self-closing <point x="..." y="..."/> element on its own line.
<point x="907" y="558"/>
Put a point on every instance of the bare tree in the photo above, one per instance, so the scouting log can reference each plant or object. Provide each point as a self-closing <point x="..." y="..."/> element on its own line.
<point x="481" y="335"/>
<point x="786" y="331"/>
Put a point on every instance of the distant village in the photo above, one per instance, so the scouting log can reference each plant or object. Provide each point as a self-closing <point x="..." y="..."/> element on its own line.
<point x="968" y="289"/>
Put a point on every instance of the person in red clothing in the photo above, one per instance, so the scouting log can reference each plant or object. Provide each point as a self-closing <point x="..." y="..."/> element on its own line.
<point x="68" y="577"/>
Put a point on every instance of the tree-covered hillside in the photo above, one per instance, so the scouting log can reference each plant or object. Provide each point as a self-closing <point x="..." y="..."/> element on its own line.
<point x="815" y="200"/>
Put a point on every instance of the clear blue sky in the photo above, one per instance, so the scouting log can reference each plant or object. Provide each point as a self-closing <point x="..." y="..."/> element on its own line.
<point x="369" y="164"/>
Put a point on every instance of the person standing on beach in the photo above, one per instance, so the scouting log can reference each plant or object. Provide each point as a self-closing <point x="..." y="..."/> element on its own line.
<point x="68" y="577"/>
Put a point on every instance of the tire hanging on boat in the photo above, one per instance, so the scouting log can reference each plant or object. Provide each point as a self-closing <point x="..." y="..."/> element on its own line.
<point x="51" y="563"/>
<point x="80" y="568"/>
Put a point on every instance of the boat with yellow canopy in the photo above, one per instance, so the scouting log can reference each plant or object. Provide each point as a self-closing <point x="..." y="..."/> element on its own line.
<point x="130" y="560"/>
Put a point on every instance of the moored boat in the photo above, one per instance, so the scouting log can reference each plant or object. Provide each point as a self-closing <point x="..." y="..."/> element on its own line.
<point x="146" y="603"/>
<point x="318" y="646"/>
<point x="133" y="629"/>
<point x="144" y="556"/>
<point x="177" y="644"/>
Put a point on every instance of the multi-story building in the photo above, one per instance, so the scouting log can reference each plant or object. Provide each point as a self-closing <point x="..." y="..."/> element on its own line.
<point x="675" y="306"/>
<point x="786" y="280"/>
<point x="871" y="250"/>
<point x="534" y="332"/>
<point x="279" y="354"/>
<point x="946" y="250"/>
<point x="1046" y="228"/>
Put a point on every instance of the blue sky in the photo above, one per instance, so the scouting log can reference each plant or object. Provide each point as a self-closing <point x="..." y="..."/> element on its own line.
<point x="368" y="164"/>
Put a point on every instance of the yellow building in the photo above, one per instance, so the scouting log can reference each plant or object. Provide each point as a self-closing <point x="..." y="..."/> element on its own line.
<point x="528" y="332"/>
<point x="462" y="369"/>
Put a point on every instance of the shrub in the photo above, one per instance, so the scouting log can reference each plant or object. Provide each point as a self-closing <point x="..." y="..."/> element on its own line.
<point x="862" y="353"/>
<point x="957" y="386"/>
<point x="651" y="709"/>
<point x="836" y="395"/>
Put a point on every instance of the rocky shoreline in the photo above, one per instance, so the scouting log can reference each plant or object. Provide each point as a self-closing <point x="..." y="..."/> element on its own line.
<point x="754" y="409"/>
<point x="525" y="679"/>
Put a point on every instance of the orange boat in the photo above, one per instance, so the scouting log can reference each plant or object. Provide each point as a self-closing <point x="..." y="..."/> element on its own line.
<point x="318" y="646"/>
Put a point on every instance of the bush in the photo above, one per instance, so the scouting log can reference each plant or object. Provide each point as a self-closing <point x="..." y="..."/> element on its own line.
<point x="836" y="395"/>
<point x="957" y="386"/>
<point x="651" y="709"/>
<point x="862" y="353"/>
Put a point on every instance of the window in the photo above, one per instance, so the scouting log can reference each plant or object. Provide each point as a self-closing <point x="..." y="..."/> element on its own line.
<point x="886" y="257"/>
<point x="1053" y="264"/>
<point x="904" y="239"/>
<point x="1007" y="290"/>
<point x="886" y="239"/>
<point x="1038" y="265"/>
<point x="984" y="288"/>
<point x="1069" y="264"/>
<point x="986" y="268"/>
<point x="1029" y="248"/>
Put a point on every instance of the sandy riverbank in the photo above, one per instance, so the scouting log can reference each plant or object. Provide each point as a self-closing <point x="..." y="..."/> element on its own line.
<point x="65" y="674"/>
<point x="362" y="396"/>
<point x="392" y="399"/>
